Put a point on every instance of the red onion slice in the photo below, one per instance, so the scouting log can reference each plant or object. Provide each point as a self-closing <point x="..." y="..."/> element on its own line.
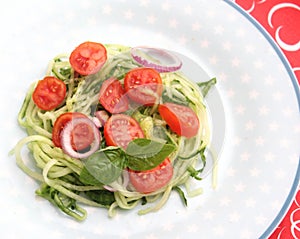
<point x="125" y="178"/>
<point x="102" y="116"/>
<point x="108" y="188"/>
<point x="66" y="138"/>
<point x="97" y="122"/>
<point x="156" y="58"/>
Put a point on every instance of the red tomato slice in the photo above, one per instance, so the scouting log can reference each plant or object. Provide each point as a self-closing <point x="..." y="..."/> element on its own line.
<point x="112" y="96"/>
<point x="49" y="93"/>
<point x="120" y="129"/>
<point x="151" y="180"/>
<point x="88" y="58"/>
<point x="82" y="134"/>
<point x="181" y="119"/>
<point x="143" y="85"/>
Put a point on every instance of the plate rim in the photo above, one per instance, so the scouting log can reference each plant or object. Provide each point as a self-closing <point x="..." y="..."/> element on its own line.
<point x="290" y="191"/>
<point x="293" y="190"/>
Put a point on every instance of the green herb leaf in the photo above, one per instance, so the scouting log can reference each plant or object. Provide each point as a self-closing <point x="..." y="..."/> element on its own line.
<point x="103" y="197"/>
<point x="175" y="96"/>
<point x="205" y="86"/>
<point x="105" y="166"/>
<point x="64" y="203"/>
<point x="144" y="154"/>
<point x="194" y="172"/>
<point x="86" y="178"/>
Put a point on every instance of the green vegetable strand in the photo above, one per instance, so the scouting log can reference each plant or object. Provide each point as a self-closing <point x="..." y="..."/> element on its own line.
<point x="65" y="182"/>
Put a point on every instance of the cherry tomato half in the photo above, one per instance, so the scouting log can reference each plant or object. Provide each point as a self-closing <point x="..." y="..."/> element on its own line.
<point x="143" y="85"/>
<point x="49" y="93"/>
<point x="181" y="119"/>
<point x="120" y="129"/>
<point x="151" y="180"/>
<point x="112" y="96"/>
<point x="82" y="135"/>
<point x="88" y="58"/>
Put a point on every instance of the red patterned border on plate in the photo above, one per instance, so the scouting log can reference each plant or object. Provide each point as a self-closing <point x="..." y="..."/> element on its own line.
<point x="281" y="19"/>
<point x="289" y="228"/>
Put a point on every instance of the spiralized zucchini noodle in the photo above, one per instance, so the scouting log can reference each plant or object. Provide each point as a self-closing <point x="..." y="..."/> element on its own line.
<point x="59" y="174"/>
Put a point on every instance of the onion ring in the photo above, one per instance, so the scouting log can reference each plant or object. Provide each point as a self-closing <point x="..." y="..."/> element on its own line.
<point x="156" y="58"/>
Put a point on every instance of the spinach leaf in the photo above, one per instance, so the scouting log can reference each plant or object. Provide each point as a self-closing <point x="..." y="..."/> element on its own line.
<point x="105" y="166"/>
<point x="103" y="197"/>
<point x="205" y="86"/>
<point x="176" y="97"/>
<point x="145" y="154"/>
<point x="63" y="202"/>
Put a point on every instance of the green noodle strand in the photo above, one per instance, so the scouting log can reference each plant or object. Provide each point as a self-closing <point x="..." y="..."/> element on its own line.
<point x="55" y="184"/>
<point x="59" y="174"/>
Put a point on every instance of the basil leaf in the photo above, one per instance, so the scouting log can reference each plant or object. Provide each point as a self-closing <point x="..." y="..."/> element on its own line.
<point x="105" y="165"/>
<point x="86" y="178"/>
<point x="144" y="154"/>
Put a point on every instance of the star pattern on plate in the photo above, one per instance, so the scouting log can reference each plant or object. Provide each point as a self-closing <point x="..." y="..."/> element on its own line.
<point x="257" y="110"/>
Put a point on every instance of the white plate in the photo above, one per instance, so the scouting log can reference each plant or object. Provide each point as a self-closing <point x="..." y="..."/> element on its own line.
<point x="258" y="164"/>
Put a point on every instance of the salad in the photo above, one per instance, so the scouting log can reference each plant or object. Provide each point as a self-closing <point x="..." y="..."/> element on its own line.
<point x="114" y="126"/>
